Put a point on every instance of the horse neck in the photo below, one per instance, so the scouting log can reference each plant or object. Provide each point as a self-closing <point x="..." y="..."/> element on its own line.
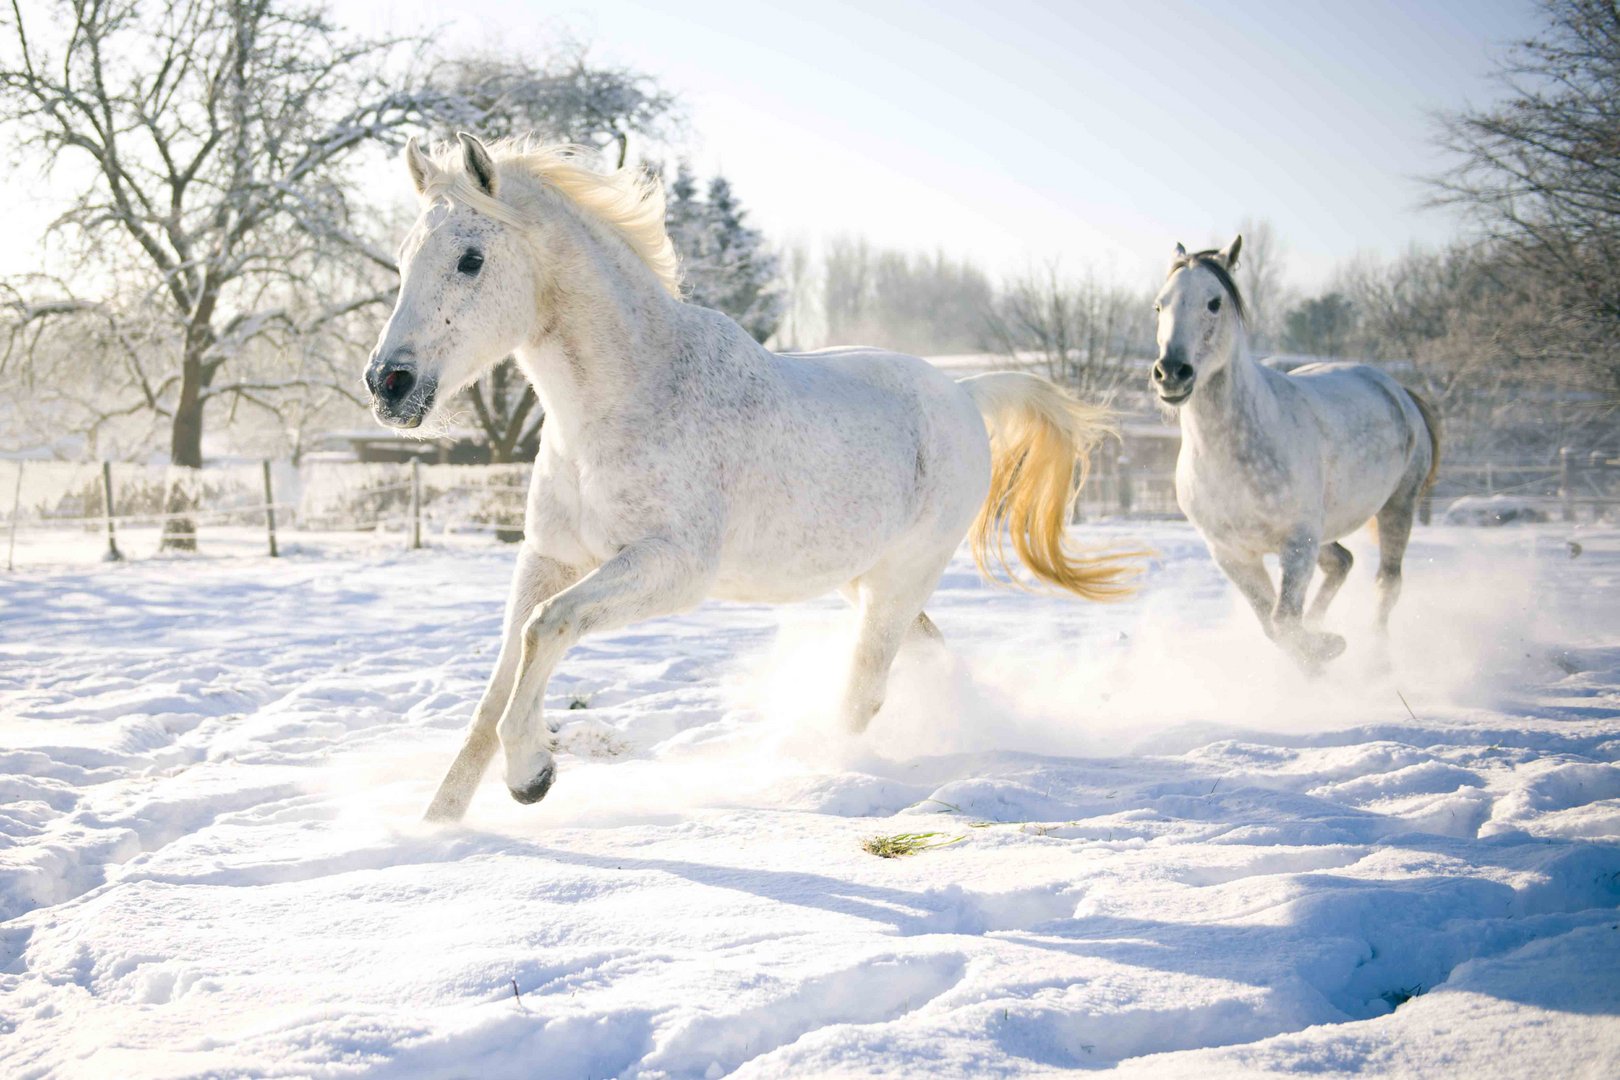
<point x="608" y="332"/>
<point x="1238" y="399"/>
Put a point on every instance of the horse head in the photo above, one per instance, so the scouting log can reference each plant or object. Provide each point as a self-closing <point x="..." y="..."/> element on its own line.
<point x="1199" y="313"/>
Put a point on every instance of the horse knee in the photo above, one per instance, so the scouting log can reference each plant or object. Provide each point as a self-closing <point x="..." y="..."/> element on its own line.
<point x="550" y="623"/>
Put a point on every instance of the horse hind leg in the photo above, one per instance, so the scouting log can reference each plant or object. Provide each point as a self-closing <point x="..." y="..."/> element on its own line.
<point x="1334" y="560"/>
<point x="889" y="599"/>
<point x="1394" y="530"/>
<point x="922" y="627"/>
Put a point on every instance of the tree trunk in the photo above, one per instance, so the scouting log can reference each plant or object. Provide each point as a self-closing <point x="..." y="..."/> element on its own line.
<point x="185" y="451"/>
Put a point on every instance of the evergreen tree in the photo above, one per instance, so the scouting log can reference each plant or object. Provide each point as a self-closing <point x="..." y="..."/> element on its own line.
<point x="726" y="264"/>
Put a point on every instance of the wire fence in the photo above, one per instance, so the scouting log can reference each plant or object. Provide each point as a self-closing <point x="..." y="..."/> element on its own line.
<point x="68" y="512"/>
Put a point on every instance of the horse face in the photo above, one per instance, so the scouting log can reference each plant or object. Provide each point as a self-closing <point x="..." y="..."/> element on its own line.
<point x="466" y="300"/>
<point x="1196" y="315"/>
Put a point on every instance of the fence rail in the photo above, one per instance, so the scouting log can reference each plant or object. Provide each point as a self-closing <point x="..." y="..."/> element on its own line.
<point x="61" y="511"/>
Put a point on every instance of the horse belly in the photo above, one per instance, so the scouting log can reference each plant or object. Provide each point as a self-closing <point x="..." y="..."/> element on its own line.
<point x="885" y="471"/>
<point x="797" y="536"/>
<point x="1356" y="493"/>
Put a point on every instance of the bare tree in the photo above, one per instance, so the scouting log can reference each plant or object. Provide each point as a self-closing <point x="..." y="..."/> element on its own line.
<point x="222" y="140"/>
<point x="798" y="286"/>
<point x="1539" y="175"/>
<point x="1077" y="330"/>
<point x="217" y="134"/>
<point x="846" y="287"/>
<point x="1261" y="276"/>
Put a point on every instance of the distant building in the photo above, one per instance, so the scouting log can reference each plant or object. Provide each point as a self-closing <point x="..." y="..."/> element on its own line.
<point x="458" y="447"/>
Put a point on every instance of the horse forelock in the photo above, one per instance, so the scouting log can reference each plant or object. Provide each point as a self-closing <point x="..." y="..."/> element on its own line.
<point x="629" y="202"/>
<point x="1209" y="260"/>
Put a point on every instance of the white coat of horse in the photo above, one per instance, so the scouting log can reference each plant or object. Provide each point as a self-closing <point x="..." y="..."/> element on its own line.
<point x="1285" y="464"/>
<point x="679" y="459"/>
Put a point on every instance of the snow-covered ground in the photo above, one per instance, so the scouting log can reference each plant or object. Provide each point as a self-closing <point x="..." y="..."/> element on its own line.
<point x="1172" y="854"/>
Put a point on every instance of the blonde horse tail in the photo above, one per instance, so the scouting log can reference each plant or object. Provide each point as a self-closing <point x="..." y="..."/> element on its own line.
<point x="1037" y="435"/>
<point x="1431" y="421"/>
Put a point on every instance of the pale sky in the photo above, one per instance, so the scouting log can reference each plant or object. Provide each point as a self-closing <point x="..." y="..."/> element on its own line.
<point x="1096" y="132"/>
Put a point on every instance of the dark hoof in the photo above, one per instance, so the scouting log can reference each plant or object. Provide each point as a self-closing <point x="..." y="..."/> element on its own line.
<point x="1329" y="647"/>
<point x="537" y="788"/>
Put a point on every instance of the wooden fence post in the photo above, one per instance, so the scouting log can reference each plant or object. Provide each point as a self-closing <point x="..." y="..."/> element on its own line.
<point x="416" y="503"/>
<point x="113" y="554"/>
<point x="270" y="509"/>
<point x="1566" y="482"/>
<point x="16" y="512"/>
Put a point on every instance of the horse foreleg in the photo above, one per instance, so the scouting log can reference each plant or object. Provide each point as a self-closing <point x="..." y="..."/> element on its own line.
<point x="535" y="579"/>
<point x="1252" y="581"/>
<point x="1334" y="560"/>
<point x="643" y="581"/>
<point x="1298" y="560"/>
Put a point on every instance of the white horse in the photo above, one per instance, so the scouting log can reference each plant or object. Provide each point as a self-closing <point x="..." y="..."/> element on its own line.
<point x="1285" y="464"/>
<point x="680" y="460"/>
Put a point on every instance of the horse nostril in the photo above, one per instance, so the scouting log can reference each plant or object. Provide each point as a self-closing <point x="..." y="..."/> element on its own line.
<point x="396" y="385"/>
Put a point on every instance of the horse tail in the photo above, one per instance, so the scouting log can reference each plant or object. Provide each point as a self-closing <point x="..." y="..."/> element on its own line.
<point x="1038" y="434"/>
<point x="1431" y="421"/>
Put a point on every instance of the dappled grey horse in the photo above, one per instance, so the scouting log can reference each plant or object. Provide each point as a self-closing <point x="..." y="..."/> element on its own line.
<point x="1285" y="464"/>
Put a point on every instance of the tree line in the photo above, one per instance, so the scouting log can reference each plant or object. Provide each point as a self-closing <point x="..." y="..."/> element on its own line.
<point x="220" y="259"/>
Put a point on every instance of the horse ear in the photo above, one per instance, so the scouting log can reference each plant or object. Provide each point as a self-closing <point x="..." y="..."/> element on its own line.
<point x="1229" y="254"/>
<point x="417" y="163"/>
<point x="1181" y="251"/>
<point x="480" y="166"/>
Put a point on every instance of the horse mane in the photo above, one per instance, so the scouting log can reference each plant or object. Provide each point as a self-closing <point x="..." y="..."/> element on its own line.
<point x="628" y="201"/>
<point x="1210" y="260"/>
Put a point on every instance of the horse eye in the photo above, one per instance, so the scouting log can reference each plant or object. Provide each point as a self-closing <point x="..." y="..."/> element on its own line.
<point x="1215" y="304"/>
<point x="471" y="263"/>
<point x="1155" y="307"/>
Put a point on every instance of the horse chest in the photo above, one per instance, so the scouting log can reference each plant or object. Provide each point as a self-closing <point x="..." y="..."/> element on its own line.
<point x="1236" y="502"/>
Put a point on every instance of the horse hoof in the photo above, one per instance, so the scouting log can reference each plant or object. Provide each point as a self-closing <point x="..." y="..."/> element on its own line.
<point x="1329" y="646"/>
<point x="536" y="789"/>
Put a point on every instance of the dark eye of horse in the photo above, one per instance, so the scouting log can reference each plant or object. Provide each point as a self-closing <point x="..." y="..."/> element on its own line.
<point x="1215" y="304"/>
<point x="471" y="263"/>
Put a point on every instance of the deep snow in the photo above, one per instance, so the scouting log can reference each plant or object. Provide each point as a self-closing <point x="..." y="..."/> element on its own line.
<point x="1179" y="856"/>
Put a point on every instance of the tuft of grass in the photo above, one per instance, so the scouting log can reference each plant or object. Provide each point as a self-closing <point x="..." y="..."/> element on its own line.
<point x="910" y="843"/>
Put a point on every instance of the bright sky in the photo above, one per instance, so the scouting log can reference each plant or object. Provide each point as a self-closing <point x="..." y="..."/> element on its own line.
<point x="1096" y="132"/>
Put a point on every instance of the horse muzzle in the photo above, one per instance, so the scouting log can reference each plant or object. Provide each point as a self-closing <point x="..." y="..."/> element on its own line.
<point x="1173" y="381"/>
<point x="401" y="397"/>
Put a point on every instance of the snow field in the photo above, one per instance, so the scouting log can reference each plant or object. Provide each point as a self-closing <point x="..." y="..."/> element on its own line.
<point x="1177" y="855"/>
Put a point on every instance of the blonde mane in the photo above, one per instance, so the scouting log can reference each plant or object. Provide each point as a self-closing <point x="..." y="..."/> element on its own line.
<point x="629" y="201"/>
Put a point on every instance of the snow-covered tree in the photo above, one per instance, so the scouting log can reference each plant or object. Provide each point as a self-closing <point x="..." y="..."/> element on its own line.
<point x="211" y="155"/>
<point x="726" y="264"/>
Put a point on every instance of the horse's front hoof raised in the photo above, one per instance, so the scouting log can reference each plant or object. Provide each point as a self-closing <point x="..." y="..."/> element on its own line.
<point x="536" y="789"/>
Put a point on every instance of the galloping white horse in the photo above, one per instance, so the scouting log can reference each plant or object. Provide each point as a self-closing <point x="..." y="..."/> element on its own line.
<point x="1285" y="463"/>
<point x="680" y="460"/>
